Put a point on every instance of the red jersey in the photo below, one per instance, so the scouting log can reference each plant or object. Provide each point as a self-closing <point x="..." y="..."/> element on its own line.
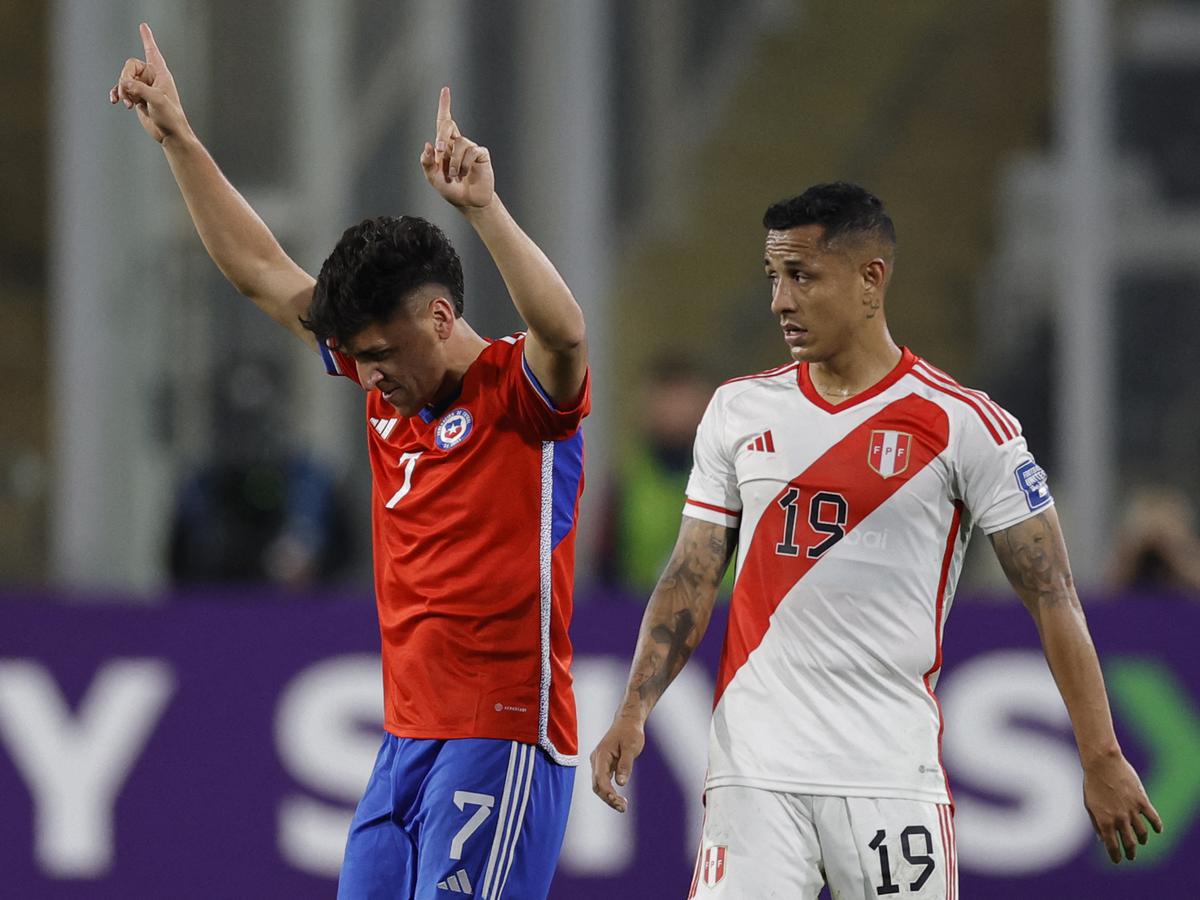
<point x="474" y="509"/>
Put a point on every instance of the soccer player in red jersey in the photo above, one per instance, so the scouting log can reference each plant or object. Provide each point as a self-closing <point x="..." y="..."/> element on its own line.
<point x="477" y="457"/>
<point x="847" y="485"/>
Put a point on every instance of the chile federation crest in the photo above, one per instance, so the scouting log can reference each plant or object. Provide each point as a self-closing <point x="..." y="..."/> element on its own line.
<point x="453" y="429"/>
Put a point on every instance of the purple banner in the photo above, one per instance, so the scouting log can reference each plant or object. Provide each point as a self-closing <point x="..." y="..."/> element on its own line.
<point x="215" y="746"/>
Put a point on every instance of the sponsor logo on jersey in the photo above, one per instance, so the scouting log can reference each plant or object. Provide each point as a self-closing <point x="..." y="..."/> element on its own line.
<point x="458" y="883"/>
<point x="453" y="429"/>
<point x="764" y="443"/>
<point x="888" y="452"/>
<point x="1031" y="478"/>
<point x="713" y="867"/>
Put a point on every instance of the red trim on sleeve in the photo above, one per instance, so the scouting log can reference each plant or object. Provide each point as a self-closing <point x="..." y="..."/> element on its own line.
<point x="720" y="509"/>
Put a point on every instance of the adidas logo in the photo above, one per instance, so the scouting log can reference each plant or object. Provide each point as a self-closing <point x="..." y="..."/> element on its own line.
<point x="764" y="443"/>
<point x="384" y="426"/>
<point x="458" y="883"/>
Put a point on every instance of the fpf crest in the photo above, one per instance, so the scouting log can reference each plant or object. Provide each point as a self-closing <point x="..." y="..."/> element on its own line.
<point x="889" y="451"/>
<point x="713" y="865"/>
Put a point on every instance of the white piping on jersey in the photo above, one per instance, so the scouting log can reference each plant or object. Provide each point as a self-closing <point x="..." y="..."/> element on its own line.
<point x="512" y="809"/>
<point x="512" y="338"/>
<point x="984" y="405"/>
<point x="546" y="586"/>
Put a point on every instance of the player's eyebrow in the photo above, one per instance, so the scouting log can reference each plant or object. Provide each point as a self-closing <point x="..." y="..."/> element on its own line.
<point x="371" y="351"/>
<point x="788" y="262"/>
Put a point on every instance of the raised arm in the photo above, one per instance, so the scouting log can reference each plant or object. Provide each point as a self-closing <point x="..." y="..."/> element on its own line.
<point x="1034" y="557"/>
<point x="675" y="621"/>
<point x="556" y="347"/>
<point x="235" y="237"/>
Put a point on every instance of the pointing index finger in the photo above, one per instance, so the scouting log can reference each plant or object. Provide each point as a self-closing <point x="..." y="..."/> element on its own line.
<point x="443" y="114"/>
<point x="153" y="54"/>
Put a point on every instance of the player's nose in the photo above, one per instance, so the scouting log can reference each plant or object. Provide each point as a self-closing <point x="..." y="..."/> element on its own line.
<point x="780" y="300"/>
<point x="369" y="375"/>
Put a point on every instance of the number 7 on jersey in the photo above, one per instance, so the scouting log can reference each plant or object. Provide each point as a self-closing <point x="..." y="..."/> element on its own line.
<point x="409" y="461"/>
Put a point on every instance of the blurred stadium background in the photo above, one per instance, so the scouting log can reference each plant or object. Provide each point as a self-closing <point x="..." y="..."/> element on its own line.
<point x="188" y="679"/>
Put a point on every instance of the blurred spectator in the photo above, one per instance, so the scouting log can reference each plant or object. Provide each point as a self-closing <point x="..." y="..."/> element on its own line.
<point x="259" y="511"/>
<point x="1157" y="545"/>
<point x="644" y="508"/>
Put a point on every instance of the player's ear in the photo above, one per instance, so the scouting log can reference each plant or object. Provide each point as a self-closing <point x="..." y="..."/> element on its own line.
<point x="875" y="273"/>
<point x="442" y="312"/>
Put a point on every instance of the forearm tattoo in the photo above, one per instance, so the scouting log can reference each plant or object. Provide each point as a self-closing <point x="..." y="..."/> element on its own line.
<point x="1034" y="557"/>
<point x="679" y="609"/>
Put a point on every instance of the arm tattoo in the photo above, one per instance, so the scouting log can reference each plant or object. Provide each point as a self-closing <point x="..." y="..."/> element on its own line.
<point x="679" y="609"/>
<point x="1034" y="557"/>
<point x="678" y="651"/>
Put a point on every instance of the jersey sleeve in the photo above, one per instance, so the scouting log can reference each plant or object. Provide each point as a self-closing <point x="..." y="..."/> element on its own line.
<point x="712" y="491"/>
<point x="531" y="407"/>
<point x="338" y="363"/>
<point x="999" y="481"/>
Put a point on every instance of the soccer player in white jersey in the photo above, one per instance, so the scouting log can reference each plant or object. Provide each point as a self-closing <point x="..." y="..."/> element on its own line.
<point x="849" y="482"/>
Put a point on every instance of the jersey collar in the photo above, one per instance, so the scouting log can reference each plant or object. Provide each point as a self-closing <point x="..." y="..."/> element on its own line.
<point x="907" y="358"/>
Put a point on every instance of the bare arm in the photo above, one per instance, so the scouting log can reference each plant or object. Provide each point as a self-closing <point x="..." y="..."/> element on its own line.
<point x="556" y="347"/>
<point x="675" y="620"/>
<point x="238" y="241"/>
<point x="1033" y="555"/>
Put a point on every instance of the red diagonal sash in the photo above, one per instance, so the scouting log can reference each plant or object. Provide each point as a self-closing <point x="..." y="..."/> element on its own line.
<point x="767" y="576"/>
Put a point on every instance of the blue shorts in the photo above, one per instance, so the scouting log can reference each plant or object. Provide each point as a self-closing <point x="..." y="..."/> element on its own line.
<point x="472" y="817"/>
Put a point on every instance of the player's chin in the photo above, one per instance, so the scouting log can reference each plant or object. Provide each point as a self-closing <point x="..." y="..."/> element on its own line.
<point x="801" y="352"/>
<point x="399" y="402"/>
<point x="405" y="409"/>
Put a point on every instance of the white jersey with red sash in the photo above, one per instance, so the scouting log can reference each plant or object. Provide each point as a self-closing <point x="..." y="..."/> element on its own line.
<point x="852" y="524"/>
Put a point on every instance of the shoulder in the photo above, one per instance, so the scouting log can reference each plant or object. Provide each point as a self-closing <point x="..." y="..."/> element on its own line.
<point x="506" y="347"/>
<point x="500" y="354"/>
<point x="972" y="408"/>
<point x="781" y="377"/>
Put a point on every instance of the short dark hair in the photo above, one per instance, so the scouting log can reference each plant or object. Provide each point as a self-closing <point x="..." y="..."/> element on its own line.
<point x="840" y="207"/>
<point x="373" y="268"/>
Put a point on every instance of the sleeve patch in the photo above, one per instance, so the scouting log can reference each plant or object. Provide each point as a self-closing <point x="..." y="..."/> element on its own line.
<point x="1031" y="479"/>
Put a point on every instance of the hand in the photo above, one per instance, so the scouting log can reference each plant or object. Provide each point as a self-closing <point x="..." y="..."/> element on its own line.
<point x="459" y="169"/>
<point x="615" y="754"/>
<point x="148" y="87"/>
<point x="1117" y="803"/>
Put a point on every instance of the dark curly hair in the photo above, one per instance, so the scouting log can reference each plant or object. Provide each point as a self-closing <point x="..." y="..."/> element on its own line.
<point x="373" y="268"/>
<point x="841" y="208"/>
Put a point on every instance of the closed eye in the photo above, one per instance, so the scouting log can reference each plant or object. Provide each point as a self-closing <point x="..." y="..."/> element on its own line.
<point x="372" y="356"/>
